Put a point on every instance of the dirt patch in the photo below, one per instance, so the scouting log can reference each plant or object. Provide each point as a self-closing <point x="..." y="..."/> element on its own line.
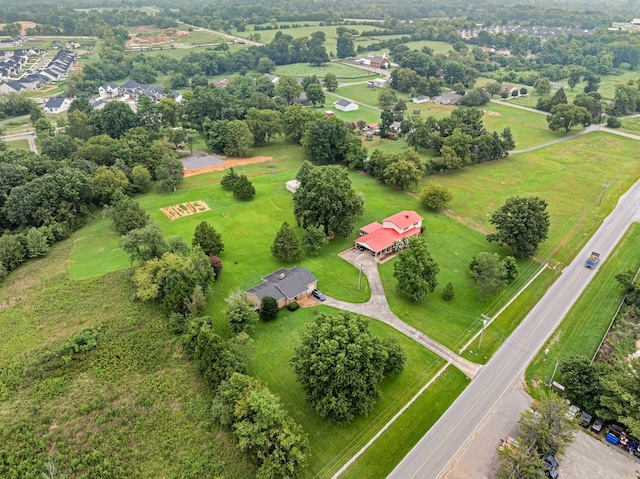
<point x="145" y="36"/>
<point x="25" y="26"/>
<point x="492" y="113"/>
<point x="185" y="209"/>
<point x="308" y="302"/>
<point x="228" y="163"/>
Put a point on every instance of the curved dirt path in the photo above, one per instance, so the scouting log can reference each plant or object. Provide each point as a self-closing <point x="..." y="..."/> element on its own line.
<point x="378" y="308"/>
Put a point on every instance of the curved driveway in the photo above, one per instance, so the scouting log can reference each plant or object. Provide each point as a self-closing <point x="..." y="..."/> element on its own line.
<point x="433" y="453"/>
<point x="378" y="308"/>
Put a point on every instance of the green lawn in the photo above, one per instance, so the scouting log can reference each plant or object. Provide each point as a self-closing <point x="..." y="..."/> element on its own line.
<point x="632" y="125"/>
<point x="529" y="129"/>
<point x="369" y="115"/>
<point x="586" y="323"/>
<point x="344" y="73"/>
<point x="19" y="144"/>
<point x="380" y="459"/>
<point x="568" y="175"/>
<point x="97" y="250"/>
<point x="363" y="94"/>
<point x="437" y="47"/>
<point x="331" y="444"/>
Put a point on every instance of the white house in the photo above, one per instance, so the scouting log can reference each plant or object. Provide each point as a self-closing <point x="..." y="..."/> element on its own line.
<point x="381" y="83"/>
<point x="345" y="105"/>
<point x="292" y="186"/>
<point x="57" y="105"/>
<point x="420" y="99"/>
<point x="10" y="87"/>
<point x="109" y="90"/>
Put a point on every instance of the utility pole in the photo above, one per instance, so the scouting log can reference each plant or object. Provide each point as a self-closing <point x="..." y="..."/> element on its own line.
<point x="554" y="372"/>
<point x="485" y="321"/>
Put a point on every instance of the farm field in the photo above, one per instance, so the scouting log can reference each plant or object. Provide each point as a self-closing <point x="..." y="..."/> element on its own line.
<point x="362" y="93"/>
<point x="584" y="326"/>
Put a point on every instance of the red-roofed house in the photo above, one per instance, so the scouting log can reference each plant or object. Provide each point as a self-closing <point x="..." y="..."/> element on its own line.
<point x="390" y="236"/>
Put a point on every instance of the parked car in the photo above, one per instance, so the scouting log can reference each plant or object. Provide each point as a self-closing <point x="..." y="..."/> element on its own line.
<point x="551" y="465"/>
<point x="572" y="411"/>
<point x="318" y="294"/>
<point x="585" y="419"/>
<point x="597" y="425"/>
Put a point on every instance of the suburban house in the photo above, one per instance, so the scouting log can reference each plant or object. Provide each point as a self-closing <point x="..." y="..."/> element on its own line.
<point x="134" y="90"/>
<point x="221" y="83"/>
<point x="31" y="82"/>
<point x="420" y="99"/>
<point x="285" y="286"/>
<point x="390" y="236"/>
<point x="292" y="186"/>
<point x="381" y="83"/>
<point x="10" y="87"/>
<point x="57" y="105"/>
<point x="272" y="78"/>
<point x="15" y="41"/>
<point x="448" y="99"/>
<point x="109" y="90"/>
<point x="345" y="105"/>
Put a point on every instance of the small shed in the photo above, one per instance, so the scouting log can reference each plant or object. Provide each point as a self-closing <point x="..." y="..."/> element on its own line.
<point x="381" y="83"/>
<point x="329" y="113"/>
<point x="293" y="185"/>
<point x="345" y="105"/>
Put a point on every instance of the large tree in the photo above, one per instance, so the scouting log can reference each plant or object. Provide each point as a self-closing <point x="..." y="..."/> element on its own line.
<point x="286" y="246"/>
<point x="116" y="118"/>
<point x="490" y="274"/>
<point x="435" y="196"/>
<point x="239" y="313"/>
<point x="169" y="173"/>
<point x="339" y="365"/>
<point x="345" y="46"/>
<point x="567" y="116"/>
<point x="326" y="198"/>
<point x="581" y="378"/>
<point x="238" y="139"/>
<point x="415" y="270"/>
<point x="263" y="124"/>
<point x="522" y="223"/>
<point x="325" y="140"/>
<point x="262" y="426"/>
<point x="129" y="215"/>
<point x="206" y="236"/>
<point x="402" y="174"/>
<point x="288" y="89"/>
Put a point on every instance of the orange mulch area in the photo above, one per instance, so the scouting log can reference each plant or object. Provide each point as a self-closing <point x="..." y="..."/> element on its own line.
<point x="147" y="36"/>
<point x="308" y="302"/>
<point x="228" y="163"/>
<point x="185" y="209"/>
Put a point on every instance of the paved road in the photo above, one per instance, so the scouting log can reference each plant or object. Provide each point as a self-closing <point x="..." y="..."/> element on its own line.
<point x="431" y="457"/>
<point x="378" y="308"/>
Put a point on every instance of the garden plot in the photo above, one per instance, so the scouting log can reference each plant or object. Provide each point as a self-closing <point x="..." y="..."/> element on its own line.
<point x="185" y="209"/>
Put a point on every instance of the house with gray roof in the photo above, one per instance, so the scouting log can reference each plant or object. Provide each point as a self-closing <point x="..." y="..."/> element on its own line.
<point x="10" y="87"/>
<point x="285" y="286"/>
<point x="345" y="105"/>
<point x="57" y="105"/>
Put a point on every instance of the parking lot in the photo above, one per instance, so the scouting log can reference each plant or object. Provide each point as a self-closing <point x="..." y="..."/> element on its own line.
<point x="591" y="457"/>
<point x="586" y="458"/>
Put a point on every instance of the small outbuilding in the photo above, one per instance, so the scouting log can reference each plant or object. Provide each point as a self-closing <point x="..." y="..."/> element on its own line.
<point x="420" y="99"/>
<point x="381" y="83"/>
<point x="293" y="185"/>
<point x="345" y="105"/>
<point x="57" y="105"/>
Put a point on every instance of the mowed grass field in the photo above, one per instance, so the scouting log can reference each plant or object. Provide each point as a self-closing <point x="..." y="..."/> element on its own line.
<point x="344" y="73"/>
<point x="305" y="29"/>
<point x="568" y="175"/>
<point x="586" y="323"/>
